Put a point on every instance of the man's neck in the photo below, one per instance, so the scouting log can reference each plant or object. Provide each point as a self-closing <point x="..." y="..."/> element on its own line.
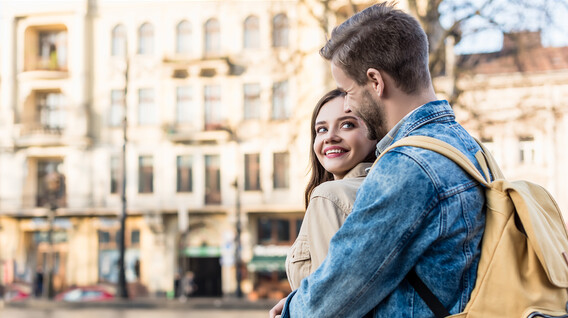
<point x="400" y="104"/>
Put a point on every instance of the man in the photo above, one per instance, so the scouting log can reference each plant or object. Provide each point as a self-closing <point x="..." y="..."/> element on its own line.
<point x="416" y="209"/>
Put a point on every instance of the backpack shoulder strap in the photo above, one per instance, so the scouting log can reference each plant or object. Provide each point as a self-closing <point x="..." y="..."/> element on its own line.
<point x="450" y="152"/>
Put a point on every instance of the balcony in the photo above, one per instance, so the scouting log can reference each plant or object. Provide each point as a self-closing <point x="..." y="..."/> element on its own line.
<point x="42" y="68"/>
<point x="39" y="134"/>
<point x="45" y="200"/>
<point x="190" y="134"/>
<point x="37" y="128"/>
<point x="46" y="52"/>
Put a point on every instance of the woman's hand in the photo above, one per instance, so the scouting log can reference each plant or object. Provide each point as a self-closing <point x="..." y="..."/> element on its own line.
<point x="276" y="311"/>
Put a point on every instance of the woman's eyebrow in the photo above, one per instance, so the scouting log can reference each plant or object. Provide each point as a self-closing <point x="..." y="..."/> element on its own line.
<point x="347" y="117"/>
<point x="320" y="122"/>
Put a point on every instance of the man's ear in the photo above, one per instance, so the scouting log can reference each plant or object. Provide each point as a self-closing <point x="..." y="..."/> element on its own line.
<point x="376" y="79"/>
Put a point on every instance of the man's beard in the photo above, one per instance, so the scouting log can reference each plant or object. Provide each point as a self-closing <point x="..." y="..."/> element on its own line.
<point x="373" y="114"/>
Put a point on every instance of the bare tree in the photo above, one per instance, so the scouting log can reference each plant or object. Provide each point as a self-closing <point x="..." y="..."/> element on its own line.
<point x="449" y="22"/>
<point x="464" y="19"/>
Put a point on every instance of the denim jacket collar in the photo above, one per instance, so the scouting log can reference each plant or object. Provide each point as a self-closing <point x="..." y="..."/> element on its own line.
<point x="416" y="118"/>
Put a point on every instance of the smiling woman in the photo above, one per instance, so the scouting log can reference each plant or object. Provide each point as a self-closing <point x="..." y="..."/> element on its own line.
<point x="340" y="142"/>
<point x="339" y="157"/>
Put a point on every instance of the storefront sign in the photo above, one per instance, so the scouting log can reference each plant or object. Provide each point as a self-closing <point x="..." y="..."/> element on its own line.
<point x="43" y="224"/>
<point x="271" y="250"/>
<point x="202" y="251"/>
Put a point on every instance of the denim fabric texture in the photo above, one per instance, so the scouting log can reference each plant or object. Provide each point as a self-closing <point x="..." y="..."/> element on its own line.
<point x="416" y="208"/>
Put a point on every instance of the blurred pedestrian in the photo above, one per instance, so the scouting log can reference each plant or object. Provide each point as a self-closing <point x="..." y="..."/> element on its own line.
<point x="188" y="285"/>
<point x="38" y="282"/>
<point x="177" y="285"/>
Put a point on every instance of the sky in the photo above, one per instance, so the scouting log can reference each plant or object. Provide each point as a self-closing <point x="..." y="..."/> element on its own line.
<point x="481" y="35"/>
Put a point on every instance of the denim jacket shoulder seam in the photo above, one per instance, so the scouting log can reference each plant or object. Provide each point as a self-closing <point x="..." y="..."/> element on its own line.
<point x="426" y="120"/>
<point x="424" y="166"/>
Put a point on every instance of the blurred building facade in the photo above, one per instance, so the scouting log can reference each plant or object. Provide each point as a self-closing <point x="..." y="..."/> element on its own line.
<point x="516" y="102"/>
<point x="218" y="97"/>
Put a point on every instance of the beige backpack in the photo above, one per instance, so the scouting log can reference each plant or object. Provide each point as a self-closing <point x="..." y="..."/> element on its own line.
<point x="523" y="270"/>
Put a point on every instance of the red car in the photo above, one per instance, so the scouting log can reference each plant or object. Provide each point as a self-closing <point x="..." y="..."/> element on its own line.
<point x="17" y="292"/>
<point x="86" y="293"/>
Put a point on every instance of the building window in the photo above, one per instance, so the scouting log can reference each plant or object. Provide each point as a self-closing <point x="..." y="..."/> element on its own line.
<point x="280" y="102"/>
<point x="252" y="172"/>
<point x="184" y="174"/>
<point x="51" y="188"/>
<point x="280" y="30"/>
<point x="51" y="110"/>
<point x="108" y="254"/>
<point x="135" y="237"/>
<point x="183" y="37"/>
<point x="212" y="104"/>
<point x="251" y="101"/>
<point x="145" y="174"/>
<point x="109" y="239"/>
<point x="527" y="150"/>
<point x="52" y="50"/>
<point x="115" y="174"/>
<point x="118" y="45"/>
<point x="146" y="39"/>
<point x="183" y="104"/>
<point x="251" y="38"/>
<point x="278" y="231"/>
<point x="147" y="112"/>
<point x="116" y="113"/>
<point x="212" y="36"/>
<point x="212" y="179"/>
<point x="104" y="238"/>
<point x="281" y="170"/>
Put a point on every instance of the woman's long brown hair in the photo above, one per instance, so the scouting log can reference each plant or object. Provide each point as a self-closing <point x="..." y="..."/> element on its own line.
<point x="318" y="174"/>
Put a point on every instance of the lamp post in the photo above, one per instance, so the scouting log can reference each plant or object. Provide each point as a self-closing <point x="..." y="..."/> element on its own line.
<point x="122" y="290"/>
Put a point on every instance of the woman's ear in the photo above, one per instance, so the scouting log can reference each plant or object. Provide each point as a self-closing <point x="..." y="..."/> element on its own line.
<point x="376" y="80"/>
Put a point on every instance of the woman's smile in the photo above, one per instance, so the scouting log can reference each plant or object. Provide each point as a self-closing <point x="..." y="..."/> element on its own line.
<point x="334" y="151"/>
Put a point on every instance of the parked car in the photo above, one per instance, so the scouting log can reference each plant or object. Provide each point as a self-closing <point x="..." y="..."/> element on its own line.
<point x="86" y="293"/>
<point x="17" y="292"/>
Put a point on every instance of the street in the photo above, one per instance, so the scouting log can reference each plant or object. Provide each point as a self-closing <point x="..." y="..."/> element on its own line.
<point x="132" y="313"/>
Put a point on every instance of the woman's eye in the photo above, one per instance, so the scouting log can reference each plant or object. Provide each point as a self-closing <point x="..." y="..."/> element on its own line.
<point x="347" y="125"/>
<point x="320" y="130"/>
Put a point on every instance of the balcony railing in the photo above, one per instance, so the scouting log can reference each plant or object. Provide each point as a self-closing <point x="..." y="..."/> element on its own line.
<point x="44" y="200"/>
<point x="46" y="64"/>
<point x="37" y="128"/>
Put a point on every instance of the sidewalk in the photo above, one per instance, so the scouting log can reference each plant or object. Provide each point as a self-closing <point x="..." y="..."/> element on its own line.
<point x="229" y="303"/>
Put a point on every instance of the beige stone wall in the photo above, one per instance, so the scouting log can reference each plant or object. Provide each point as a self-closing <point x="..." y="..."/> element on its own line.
<point x="507" y="108"/>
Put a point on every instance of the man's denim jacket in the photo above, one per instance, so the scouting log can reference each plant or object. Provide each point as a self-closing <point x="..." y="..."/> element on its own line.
<point x="417" y="209"/>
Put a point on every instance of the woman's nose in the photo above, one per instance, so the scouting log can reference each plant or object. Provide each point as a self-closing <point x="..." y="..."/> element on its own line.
<point x="332" y="136"/>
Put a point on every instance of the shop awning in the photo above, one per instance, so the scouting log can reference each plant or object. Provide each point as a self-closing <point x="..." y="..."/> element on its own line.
<point x="267" y="263"/>
<point x="201" y="251"/>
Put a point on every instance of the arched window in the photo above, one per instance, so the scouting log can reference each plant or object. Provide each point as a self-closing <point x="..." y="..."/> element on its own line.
<point x="183" y="37"/>
<point x="118" y="45"/>
<point x="212" y="36"/>
<point x="280" y="30"/>
<point x="146" y="39"/>
<point x="251" y="38"/>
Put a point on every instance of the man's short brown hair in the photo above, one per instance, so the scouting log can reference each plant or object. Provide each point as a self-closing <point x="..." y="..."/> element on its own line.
<point x="383" y="38"/>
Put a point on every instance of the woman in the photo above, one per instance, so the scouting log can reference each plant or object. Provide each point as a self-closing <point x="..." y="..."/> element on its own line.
<point x="340" y="154"/>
